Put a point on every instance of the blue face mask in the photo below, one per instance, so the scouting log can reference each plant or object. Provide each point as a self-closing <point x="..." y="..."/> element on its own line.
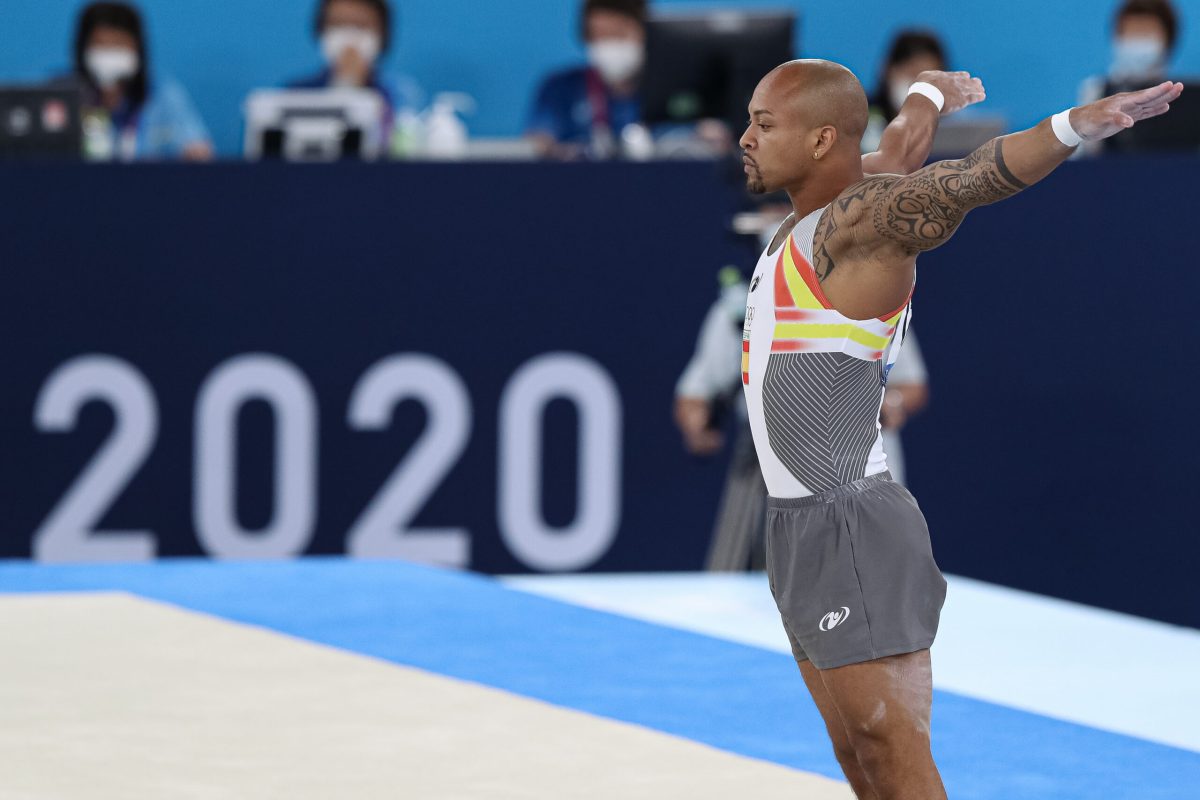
<point x="1137" y="57"/>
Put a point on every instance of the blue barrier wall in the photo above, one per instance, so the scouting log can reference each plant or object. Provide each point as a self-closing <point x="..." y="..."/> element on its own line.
<point x="177" y="276"/>
<point x="1032" y="54"/>
<point x="1056" y="456"/>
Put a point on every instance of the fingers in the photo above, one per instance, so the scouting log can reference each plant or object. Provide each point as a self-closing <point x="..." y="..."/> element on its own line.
<point x="971" y="89"/>
<point x="1165" y="92"/>
<point x="1136" y="106"/>
<point x="1145" y="112"/>
<point x="960" y="88"/>
<point x="956" y="78"/>
<point x="960" y="75"/>
<point x="1160" y="98"/>
<point x="1157" y="111"/>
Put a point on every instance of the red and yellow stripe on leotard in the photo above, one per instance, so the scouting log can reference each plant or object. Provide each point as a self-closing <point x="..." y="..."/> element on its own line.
<point x="805" y="320"/>
<point x="745" y="359"/>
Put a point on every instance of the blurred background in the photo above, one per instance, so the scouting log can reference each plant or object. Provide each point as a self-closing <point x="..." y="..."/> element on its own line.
<point x="1033" y="56"/>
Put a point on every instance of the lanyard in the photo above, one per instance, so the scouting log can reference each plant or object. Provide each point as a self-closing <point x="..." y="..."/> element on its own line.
<point x="598" y="100"/>
<point x="125" y="130"/>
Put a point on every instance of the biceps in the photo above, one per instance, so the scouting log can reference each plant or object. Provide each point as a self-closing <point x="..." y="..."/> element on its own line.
<point x="923" y="210"/>
<point x="918" y="215"/>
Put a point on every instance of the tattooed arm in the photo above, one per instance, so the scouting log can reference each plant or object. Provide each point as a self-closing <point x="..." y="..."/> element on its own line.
<point x="865" y="245"/>
<point x="908" y="139"/>
<point x="923" y="210"/>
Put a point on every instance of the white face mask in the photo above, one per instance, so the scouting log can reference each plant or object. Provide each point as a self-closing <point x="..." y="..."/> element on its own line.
<point x="109" y="66"/>
<point x="1137" y="56"/>
<point x="335" y="41"/>
<point x="616" y="60"/>
<point x="898" y="92"/>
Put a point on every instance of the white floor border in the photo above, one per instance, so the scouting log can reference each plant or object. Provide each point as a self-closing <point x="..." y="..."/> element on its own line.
<point x="1073" y="662"/>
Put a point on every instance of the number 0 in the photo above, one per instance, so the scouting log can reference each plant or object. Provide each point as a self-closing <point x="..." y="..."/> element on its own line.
<point x="285" y="389"/>
<point x="522" y="406"/>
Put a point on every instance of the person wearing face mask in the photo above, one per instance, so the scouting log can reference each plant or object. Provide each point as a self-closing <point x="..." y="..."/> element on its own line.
<point x="911" y="53"/>
<point x="1144" y="36"/>
<point x="585" y="110"/>
<point x="353" y="36"/>
<point x="130" y="116"/>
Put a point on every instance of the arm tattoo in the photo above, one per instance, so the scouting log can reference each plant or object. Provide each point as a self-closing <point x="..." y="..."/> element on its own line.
<point x="922" y="211"/>
<point x="823" y="263"/>
<point x="856" y="197"/>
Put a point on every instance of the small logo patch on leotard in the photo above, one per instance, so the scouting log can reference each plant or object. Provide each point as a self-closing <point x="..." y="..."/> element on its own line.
<point x="833" y="619"/>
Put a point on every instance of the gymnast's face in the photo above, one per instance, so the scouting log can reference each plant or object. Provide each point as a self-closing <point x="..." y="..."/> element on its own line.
<point x="773" y="144"/>
<point x="806" y="122"/>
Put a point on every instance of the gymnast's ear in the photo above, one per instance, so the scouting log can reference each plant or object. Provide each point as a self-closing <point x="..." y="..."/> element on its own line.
<point x="823" y="140"/>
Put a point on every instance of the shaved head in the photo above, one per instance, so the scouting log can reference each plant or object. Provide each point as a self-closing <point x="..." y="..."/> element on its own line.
<point x="807" y="120"/>
<point x="821" y="93"/>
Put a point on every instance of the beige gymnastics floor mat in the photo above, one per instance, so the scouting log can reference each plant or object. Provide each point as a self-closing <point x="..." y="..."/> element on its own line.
<point x="112" y="696"/>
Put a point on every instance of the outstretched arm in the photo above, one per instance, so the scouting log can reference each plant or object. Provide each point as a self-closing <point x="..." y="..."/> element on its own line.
<point x="908" y="139"/>
<point x="923" y="210"/>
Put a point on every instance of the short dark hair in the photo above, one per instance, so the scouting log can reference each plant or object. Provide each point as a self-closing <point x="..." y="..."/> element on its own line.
<point x="124" y="17"/>
<point x="1162" y="9"/>
<point x="634" y="9"/>
<point x="382" y="7"/>
<point x="907" y="44"/>
<point x="911" y="43"/>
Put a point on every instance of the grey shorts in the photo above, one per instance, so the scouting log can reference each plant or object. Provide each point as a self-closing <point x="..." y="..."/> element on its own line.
<point x="853" y="573"/>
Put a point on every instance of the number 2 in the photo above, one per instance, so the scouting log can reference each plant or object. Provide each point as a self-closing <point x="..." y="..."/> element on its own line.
<point x="69" y="531"/>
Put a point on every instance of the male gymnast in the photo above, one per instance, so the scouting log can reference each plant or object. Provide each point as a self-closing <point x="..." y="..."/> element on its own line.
<point x="848" y="552"/>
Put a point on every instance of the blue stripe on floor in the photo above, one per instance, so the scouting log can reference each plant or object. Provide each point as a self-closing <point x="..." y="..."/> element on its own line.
<point x="731" y="696"/>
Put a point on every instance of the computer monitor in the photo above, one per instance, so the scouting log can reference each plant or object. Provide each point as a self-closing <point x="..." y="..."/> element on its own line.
<point x="959" y="136"/>
<point x="705" y="65"/>
<point x="314" y="125"/>
<point x="40" y="122"/>
<point x="1176" y="131"/>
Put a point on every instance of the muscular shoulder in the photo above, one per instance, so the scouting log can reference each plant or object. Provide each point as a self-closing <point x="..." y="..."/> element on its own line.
<point x="837" y="240"/>
<point x="886" y="220"/>
<point x="858" y="202"/>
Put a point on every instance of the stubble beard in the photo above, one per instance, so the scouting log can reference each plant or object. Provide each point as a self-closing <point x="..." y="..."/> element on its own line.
<point x="755" y="183"/>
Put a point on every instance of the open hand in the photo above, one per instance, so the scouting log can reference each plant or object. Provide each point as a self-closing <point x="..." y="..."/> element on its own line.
<point x="692" y="415"/>
<point x="1110" y="116"/>
<point x="959" y="88"/>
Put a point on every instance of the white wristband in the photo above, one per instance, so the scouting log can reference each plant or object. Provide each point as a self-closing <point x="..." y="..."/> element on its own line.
<point x="1061" y="123"/>
<point x="930" y="91"/>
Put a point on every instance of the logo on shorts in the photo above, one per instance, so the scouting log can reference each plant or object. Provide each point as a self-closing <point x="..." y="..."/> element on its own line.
<point x="833" y="619"/>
